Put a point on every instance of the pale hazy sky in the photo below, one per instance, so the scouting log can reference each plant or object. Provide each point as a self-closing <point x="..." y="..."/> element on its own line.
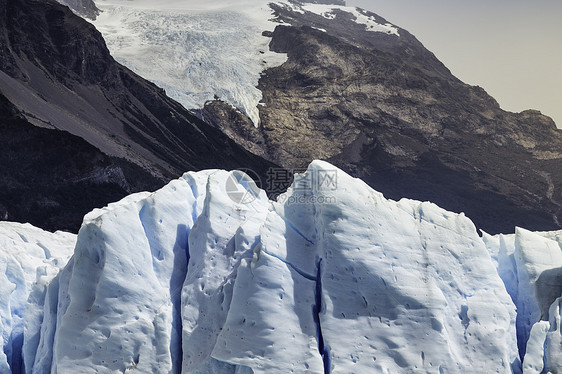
<point x="511" y="48"/>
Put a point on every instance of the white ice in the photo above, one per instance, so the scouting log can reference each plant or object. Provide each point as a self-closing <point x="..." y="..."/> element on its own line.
<point x="530" y="264"/>
<point x="193" y="49"/>
<point x="29" y="259"/>
<point x="332" y="277"/>
<point x="327" y="11"/>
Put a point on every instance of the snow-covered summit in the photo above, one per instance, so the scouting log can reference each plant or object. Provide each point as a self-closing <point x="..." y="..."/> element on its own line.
<point x="328" y="11"/>
<point x="199" y="50"/>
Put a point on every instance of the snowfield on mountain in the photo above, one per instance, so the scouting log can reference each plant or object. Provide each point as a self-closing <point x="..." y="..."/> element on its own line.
<point x="330" y="278"/>
<point x="198" y="50"/>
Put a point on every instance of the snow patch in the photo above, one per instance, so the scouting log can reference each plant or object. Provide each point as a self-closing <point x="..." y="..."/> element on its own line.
<point x="370" y="22"/>
<point x="319" y="29"/>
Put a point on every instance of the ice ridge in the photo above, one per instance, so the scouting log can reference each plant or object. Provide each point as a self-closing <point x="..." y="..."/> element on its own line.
<point x="189" y="279"/>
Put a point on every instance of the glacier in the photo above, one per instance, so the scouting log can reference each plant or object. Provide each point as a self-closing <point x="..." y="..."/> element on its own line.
<point x="29" y="259"/>
<point x="329" y="278"/>
<point x="530" y="264"/>
<point x="198" y="51"/>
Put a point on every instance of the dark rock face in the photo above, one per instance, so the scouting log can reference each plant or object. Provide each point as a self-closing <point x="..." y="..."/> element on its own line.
<point x="49" y="176"/>
<point x="79" y="130"/>
<point x="84" y="8"/>
<point x="383" y="108"/>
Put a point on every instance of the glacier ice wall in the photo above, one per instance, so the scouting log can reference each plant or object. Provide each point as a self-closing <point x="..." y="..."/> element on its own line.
<point x="332" y="278"/>
<point x="530" y="264"/>
<point x="412" y="283"/>
<point x="29" y="259"/>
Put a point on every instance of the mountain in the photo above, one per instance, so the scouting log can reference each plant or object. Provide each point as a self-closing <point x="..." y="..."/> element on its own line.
<point x="293" y="81"/>
<point x="80" y="130"/>
<point x="330" y="278"/>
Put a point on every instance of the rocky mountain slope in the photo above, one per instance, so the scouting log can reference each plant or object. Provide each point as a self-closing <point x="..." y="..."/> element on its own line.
<point x="327" y="279"/>
<point x="79" y="130"/>
<point x="343" y="84"/>
<point x="383" y="108"/>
